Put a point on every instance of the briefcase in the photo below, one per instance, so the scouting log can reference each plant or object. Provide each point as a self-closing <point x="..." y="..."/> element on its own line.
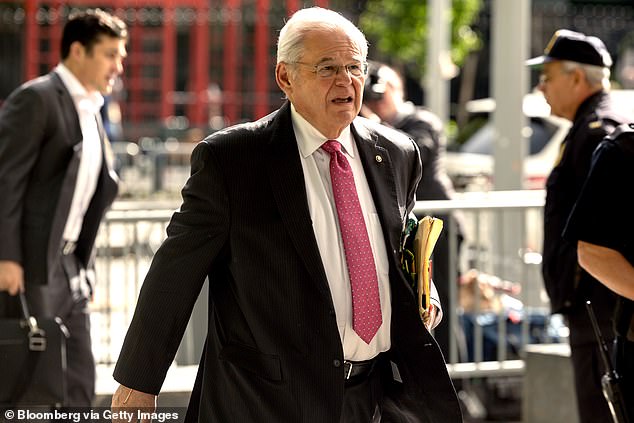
<point x="32" y="360"/>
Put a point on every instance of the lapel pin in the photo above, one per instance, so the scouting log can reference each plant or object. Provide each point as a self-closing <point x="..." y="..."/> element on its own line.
<point x="378" y="158"/>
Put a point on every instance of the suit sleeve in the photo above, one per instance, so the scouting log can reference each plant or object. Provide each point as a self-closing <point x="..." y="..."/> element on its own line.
<point x="435" y="300"/>
<point x="601" y="213"/>
<point x="197" y="234"/>
<point x="415" y="177"/>
<point x="426" y="138"/>
<point x="417" y="172"/>
<point x="22" y="127"/>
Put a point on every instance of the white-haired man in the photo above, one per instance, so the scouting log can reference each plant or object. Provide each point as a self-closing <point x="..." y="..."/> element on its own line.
<point x="575" y="81"/>
<point x="296" y="220"/>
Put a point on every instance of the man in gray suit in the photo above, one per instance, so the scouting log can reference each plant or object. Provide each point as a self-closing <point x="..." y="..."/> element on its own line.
<point x="296" y="219"/>
<point x="56" y="182"/>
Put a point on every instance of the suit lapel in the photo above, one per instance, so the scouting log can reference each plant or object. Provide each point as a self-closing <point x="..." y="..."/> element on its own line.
<point x="289" y="190"/>
<point x="379" y="171"/>
<point x="67" y="109"/>
<point x="287" y="180"/>
<point x="72" y="139"/>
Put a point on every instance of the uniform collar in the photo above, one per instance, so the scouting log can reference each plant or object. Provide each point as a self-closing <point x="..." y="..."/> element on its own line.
<point x="589" y="104"/>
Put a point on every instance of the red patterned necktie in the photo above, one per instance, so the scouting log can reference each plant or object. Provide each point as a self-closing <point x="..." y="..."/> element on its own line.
<point x="366" y="304"/>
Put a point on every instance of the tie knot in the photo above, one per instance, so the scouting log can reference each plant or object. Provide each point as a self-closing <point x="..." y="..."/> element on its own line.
<point x="331" y="146"/>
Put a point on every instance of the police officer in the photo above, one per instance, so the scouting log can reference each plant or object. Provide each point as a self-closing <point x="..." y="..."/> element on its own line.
<point x="575" y="72"/>
<point x="384" y="101"/>
<point x="606" y="247"/>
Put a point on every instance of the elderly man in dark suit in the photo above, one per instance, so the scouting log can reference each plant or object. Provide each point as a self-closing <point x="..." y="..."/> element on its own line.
<point x="56" y="181"/>
<point x="296" y="219"/>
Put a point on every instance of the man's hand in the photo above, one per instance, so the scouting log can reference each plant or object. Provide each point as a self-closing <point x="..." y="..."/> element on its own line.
<point x="128" y="403"/>
<point x="429" y="319"/>
<point x="11" y="277"/>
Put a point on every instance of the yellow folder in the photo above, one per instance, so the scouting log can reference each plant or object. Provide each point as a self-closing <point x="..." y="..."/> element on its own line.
<point x="429" y="229"/>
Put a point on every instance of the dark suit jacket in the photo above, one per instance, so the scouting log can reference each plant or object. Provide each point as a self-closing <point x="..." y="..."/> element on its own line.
<point x="273" y="351"/>
<point x="40" y="149"/>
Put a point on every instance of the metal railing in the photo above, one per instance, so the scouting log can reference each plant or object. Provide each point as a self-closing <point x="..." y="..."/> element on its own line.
<point x="152" y="167"/>
<point x="126" y="243"/>
<point x="502" y="238"/>
<point x="502" y="248"/>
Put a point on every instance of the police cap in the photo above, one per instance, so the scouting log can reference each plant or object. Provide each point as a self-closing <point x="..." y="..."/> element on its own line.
<point x="574" y="47"/>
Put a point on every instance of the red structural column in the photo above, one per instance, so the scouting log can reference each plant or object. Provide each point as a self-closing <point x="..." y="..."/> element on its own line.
<point x="199" y="65"/>
<point x="231" y="67"/>
<point x="292" y="6"/>
<point x="135" y="67"/>
<point x="167" y="61"/>
<point x="32" y="50"/>
<point x="261" y="59"/>
<point x="55" y="34"/>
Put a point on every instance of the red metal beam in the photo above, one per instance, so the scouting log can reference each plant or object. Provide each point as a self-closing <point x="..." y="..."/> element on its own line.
<point x="261" y="59"/>
<point x="135" y="67"/>
<point x="231" y="69"/>
<point x="55" y="34"/>
<point x="292" y="6"/>
<point x="167" y="66"/>
<point x="199" y="65"/>
<point x="135" y="4"/>
<point x="31" y="42"/>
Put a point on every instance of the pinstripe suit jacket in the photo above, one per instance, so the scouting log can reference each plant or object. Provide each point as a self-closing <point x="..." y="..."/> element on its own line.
<point x="273" y="351"/>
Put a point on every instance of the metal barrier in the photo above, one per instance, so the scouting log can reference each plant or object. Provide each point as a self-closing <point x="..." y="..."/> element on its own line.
<point x="125" y="245"/>
<point x="502" y="238"/>
<point x="153" y="167"/>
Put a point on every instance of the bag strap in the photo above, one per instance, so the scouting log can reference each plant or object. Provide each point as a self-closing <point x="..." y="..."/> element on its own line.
<point x="36" y="344"/>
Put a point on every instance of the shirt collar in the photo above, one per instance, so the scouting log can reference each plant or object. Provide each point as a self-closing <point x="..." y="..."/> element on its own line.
<point x="309" y="139"/>
<point x="82" y="98"/>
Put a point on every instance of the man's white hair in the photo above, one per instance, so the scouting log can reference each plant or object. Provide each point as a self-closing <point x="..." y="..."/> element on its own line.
<point x="290" y="45"/>
<point x="597" y="76"/>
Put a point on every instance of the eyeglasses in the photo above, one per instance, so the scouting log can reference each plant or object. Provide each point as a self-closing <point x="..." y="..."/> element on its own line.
<point x="328" y="70"/>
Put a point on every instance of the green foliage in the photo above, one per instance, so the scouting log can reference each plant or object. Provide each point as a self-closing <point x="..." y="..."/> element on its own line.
<point x="399" y="29"/>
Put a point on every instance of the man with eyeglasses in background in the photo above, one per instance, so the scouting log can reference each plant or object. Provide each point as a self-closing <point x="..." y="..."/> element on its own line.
<point x="296" y="219"/>
<point x="575" y="80"/>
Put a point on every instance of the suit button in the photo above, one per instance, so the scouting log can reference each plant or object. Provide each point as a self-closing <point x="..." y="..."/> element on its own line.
<point x="336" y="363"/>
<point x="331" y="312"/>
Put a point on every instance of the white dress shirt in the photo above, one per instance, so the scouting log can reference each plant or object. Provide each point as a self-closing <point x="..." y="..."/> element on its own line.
<point x="323" y="212"/>
<point x="87" y="105"/>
